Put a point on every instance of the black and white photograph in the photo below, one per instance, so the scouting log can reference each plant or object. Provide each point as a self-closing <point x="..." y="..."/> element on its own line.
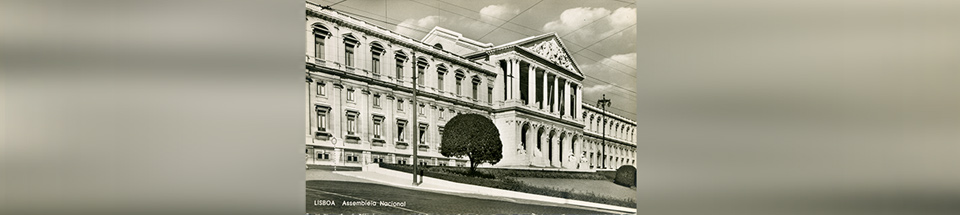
<point x="481" y="107"/>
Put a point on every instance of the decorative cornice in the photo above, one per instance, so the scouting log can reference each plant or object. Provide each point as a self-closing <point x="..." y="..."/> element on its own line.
<point x="607" y="113"/>
<point x="397" y="38"/>
<point x="396" y="88"/>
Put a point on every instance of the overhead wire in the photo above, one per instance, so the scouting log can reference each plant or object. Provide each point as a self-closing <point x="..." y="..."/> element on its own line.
<point x="511" y="19"/>
<point x="386" y="20"/>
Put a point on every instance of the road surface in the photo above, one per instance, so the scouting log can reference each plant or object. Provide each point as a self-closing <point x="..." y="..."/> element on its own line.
<point x="321" y="193"/>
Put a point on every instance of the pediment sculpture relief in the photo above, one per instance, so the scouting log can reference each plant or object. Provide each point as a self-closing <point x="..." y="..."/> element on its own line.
<point x="553" y="52"/>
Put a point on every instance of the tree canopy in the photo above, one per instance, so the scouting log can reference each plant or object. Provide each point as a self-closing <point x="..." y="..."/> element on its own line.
<point x="474" y="136"/>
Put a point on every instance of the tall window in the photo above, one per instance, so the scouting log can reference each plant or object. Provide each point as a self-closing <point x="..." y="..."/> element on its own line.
<point x="440" y="113"/>
<point x="348" y="56"/>
<point x="423" y="130"/>
<point x="375" y="51"/>
<point x="320" y="35"/>
<point x="376" y="100"/>
<point x="476" y="88"/>
<point x="459" y="85"/>
<point x="441" y="70"/>
<point x="421" y="68"/>
<point x="440" y="134"/>
<point x="377" y="127"/>
<point x="349" y="43"/>
<point x="440" y="82"/>
<point x="351" y="123"/>
<point x="321" y="89"/>
<point x="400" y="58"/>
<point x="399" y="105"/>
<point x="322" y="118"/>
<point x="400" y="127"/>
<point x="318" y="45"/>
<point x="420" y="110"/>
<point x="350" y="95"/>
<point x="490" y="95"/>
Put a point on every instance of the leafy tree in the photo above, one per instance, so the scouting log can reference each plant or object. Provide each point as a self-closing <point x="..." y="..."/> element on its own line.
<point x="626" y="176"/>
<point x="472" y="135"/>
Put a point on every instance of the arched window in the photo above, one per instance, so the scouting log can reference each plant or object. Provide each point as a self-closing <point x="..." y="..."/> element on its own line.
<point x="320" y="35"/>
<point x="376" y="50"/>
<point x="438" y="46"/>
<point x="350" y="43"/>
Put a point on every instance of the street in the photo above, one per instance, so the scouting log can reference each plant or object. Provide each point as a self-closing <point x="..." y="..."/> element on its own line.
<point x="415" y="201"/>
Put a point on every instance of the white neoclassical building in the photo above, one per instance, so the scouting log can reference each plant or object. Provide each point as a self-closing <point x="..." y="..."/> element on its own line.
<point x="359" y="93"/>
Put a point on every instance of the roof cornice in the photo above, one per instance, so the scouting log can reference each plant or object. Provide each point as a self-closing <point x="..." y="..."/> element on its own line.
<point x="360" y="25"/>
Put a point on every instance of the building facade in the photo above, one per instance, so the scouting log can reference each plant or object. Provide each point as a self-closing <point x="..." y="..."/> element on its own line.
<point x="360" y="83"/>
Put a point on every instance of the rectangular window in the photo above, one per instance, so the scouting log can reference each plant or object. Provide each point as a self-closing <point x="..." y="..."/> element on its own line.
<point x="420" y="75"/>
<point x="323" y="155"/>
<point x="420" y="110"/>
<point x="399" y="105"/>
<point x="476" y="89"/>
<point x="399" y="69"/>
<point x="318" y="46"/>
<point x="321" y="89"/>
<point x="376" y="100"/>
<point x="348" y="56"/>
<point x="459" y="85"/>
<point x="440" y="113"/>
<point x="350" y="95"/>
<point x="400" y="127"/>
<point x="440" y="82"/>
<point x="351" y="124"/>
<point x="439" y="134"/>
<point x="375" y="64"/>
<point x="377" y="127"/>
<point x="322" y="119"/>
<point x="423" y="130"/>
<point x="490" y="95"/>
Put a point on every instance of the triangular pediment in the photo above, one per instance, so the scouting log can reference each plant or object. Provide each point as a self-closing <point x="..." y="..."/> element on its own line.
<point x="552" y="49"/>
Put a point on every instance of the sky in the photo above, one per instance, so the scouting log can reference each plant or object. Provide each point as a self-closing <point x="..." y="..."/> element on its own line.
<point x="600" y="35"/>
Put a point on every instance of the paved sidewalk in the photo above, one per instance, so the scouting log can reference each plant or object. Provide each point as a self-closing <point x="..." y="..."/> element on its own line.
<point x="402" y="179"/>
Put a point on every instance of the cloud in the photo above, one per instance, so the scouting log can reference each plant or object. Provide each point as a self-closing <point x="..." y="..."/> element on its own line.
<point x="580" y="20"/>
<point x="500" y="12"/>
<point x="574" y="18"/>
<point x="425" y="24"/>
<point x="597" y="88"/>
<point x="623" y="17"/>
<point x="620" y="60"/>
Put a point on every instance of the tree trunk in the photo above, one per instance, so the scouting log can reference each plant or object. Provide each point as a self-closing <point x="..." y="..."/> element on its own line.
<point x="473" y="166"/>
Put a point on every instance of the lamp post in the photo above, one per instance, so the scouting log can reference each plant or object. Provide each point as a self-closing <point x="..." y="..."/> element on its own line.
<point x="603" y="103"/>
<point x="416" y="125"/>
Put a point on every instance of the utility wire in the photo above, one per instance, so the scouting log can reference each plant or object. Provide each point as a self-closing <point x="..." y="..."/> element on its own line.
<point x="511" y="19"/>
<point x="535" y="30"/>
<point x="385" y="20"/>
<point x="607" y="37"/>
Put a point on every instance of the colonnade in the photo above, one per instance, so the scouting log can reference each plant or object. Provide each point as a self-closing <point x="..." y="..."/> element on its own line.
<point x="557" y="94"/>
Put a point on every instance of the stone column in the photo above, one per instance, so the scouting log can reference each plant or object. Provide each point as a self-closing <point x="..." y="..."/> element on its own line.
<point x="579" y="102"/>
<point x="515" y="71"/>
<point x="556" y="100"/>
<point x="555" y="155"/>
<point x="545" y="105"/>
<point x="532" y="85"/>
<point x="531" y="144"/>
<point x="566" y="98"/>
